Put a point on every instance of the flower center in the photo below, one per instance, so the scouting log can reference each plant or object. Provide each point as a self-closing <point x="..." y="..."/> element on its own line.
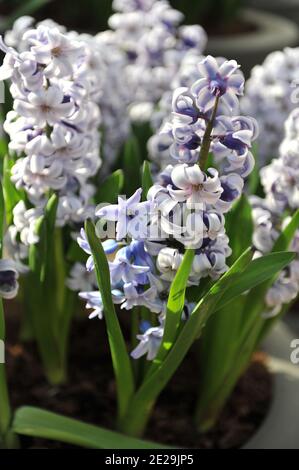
<point x="197" y="187"/>
<point x="45" y="108"/>
<point x="56" y="51"/>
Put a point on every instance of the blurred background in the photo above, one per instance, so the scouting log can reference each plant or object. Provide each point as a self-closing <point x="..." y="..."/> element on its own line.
<point x="217" y="16"/>
<point x="247" y="30"/>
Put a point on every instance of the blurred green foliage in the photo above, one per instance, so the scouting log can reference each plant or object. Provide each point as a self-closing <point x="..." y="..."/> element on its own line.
<point x="88" y="15"/>
<point x="10" y="10"/>
<point x="92" y="15"/>
<point x="207" y="12"/>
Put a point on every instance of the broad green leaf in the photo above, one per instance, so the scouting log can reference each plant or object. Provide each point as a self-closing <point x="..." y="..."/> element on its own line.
<point x="3" y="147"/>
<point x="7" y="106"/>
<point x="42" y="293"/>
<point x="210" y="405"/>
<point x="11" y="195"/>
<point x="282" y="243"/>
<point x="268" y="323"/>
<point x="147" y="181"/>
<point x="111" y="188"/>
<point x="229" y="338"/>
<point x="142" y="132"/>
<point x="175" y="305"/>
<point x="38" y="251"/>
<point x="217" y="352"/>
<point x="285" y="238"/>
<point x="50" y="219"/>
<point x="192" y="329"/>
<point x="36" y="422"/>
<point x="239" y="228"/>
<point x="195" y="293"/>
<point x="254" y="177"/>
<point x="26" y="8"/>
<point x="120" y="358"/>
<point x="255" y="301"/>
<point x="258" y="271"/>
<point x="131" y="166"/>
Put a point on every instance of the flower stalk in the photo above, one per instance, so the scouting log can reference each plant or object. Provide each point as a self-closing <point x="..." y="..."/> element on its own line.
<point x="206" y="141"/>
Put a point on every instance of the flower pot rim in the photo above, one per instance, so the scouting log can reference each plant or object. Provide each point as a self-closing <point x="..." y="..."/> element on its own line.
<point x="280" y="429"/>
<point x="279" y="4"/>
<point x="273" y="32"/>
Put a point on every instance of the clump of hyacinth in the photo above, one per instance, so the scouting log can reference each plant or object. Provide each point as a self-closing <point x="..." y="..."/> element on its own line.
<point x="98" y="71"/>
<point x="280" y="180"/>
<point x="107" y="63"/>
<point x="54" y="125"/>
<point x="150" y="35"/>
<point x="147" y="237"/>
<point x="271" y="93"/>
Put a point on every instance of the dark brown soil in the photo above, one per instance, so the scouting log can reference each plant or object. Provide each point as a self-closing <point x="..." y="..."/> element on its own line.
<point x="90" y="392"/>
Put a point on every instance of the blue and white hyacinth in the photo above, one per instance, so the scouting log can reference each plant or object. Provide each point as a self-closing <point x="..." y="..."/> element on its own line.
<point x="186" y="207"/>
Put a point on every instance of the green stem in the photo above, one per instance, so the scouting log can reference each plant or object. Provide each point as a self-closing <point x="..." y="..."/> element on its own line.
<point x="46" y="293"/>
<point x="206" y="142"/>
<point x="134" y="326"/>
<point x="134" y="423"/>
<point x="210" y="405"/>
<point x="138" y="365"/>
<point x="60" y="274"/>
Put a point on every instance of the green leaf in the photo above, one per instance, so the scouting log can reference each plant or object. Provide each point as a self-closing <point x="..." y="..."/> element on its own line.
<point x="195" y="293"/>
<point x="282" y="243"/>
<point x="26" y="8"/>
<point x="223" y="355"/>
<point x="255" y="302"/>
<point x="120" y="358"/>
<point x="217" y="352"/>
<point x="144" y="399"/>
<point x="258" y="271"/>
<point x="111" y="188"/>
<point x="254" y="177"/>
<point x="285" y="238"/>
<point x="11" y="195"/>
<point x="7" y="106"/>
<point x="175" y="305"/>
<point x="239" y="216"/>
<point x="147" y="181"/>
<point x="142" y="132"/>
<point x="42" y="291"/>
<point x="3" y="147"/>
<point x="35" y="422"/>
<point x="232" y="334"/>
<point x="131" y="166"/>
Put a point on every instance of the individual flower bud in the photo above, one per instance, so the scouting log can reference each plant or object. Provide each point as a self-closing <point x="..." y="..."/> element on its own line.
<point x="9" y="285"/>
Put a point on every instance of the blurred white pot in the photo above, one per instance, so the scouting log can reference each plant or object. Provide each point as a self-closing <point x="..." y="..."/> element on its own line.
<point x="287" y="8"/>
<point x="271" y="33"/>
<point x="280" y="430"/>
